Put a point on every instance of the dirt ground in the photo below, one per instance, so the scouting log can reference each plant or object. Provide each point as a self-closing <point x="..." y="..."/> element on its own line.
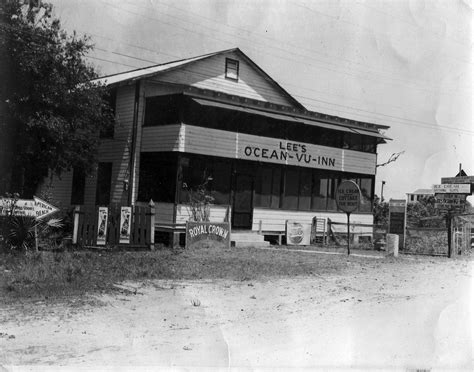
<point x="413" y="312"/>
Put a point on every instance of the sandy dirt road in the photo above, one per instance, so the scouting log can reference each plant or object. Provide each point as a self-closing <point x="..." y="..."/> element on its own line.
<point x="412" y="313"/>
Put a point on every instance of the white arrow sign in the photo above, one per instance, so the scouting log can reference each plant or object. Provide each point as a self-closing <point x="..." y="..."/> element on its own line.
<point x="43" y="208"/>
<point x="36" y="208"/>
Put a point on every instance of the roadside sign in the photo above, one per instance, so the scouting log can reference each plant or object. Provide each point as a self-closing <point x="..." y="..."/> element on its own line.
<point x="452" y="188"/>
<point x="450" y="201"/>
<point x="36" y="208"/>
<point x="461" y="179"/>
<point x="298" y="233"/>
<point x="215" y="233"/>
<point x="43" y="208"/>
<point x="348" y="196"/>
<point x="348" y="200"/>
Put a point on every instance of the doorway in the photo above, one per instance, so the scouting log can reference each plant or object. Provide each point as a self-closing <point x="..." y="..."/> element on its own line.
<point x="242" y="208"/>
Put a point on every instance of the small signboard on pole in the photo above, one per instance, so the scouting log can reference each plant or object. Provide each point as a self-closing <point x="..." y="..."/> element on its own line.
<point x="348" y="200"/>
<point x="36" y="208"/>
<point x="452" y="188"/>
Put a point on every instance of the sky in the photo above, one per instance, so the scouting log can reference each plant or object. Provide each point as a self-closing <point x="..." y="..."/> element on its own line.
<point x="407" y="64"/>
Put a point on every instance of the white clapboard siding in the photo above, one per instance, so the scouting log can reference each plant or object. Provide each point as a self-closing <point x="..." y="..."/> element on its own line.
<point x="220" y="143"/>
<point x="135" y="172"/>
<point x="164" y="213"/>
<point x="214" y="142"/>
<point x="163" y="138"/>
<point x="217" y="213"/>
<point x="209" y="74"/>
<point x="117" y="150"/>
<point x="274" y="219"/>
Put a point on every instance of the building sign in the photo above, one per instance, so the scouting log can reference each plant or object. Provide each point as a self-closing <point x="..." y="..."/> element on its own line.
<point x="289" y="153"/>
<point x="35" y="208"/>
<point x="450" y="201"/>
<point x="348" y="196"/>
<point x="125" y="224"/>
<point x="452" y="188"/>
<point x="217" y="233"/>
<point x="460" y="179"/>
<point x="102" y="225"/>
<point x="232" y="145"/>
<point x="298" y="233"/>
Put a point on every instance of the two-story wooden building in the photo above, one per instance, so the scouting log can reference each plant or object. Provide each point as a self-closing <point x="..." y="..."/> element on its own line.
<point x="220" y="118"/>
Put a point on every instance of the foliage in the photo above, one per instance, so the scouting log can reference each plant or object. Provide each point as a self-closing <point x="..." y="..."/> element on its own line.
<point x="54" y="110"/>
<point x="424" y="214"/>
<point x="380" y="212"/>
<point x="419" y="214"/>
<point x="19" y="232"/>
<point x="394" y="157"/>
<point x="200" y="201"/>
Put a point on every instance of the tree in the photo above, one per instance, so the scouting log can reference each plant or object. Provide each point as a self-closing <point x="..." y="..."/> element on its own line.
<point x="52" y="112"/>
<point x="380" y="212"/>
<point x="424" y="214"/>
<point x="394" y="157"/>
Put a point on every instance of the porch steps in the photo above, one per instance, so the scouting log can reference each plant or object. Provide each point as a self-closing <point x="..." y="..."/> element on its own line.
<point x="247" y="239"/>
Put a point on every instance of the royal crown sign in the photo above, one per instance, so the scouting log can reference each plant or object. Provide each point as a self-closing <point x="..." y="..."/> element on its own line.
<point x="36" y="207"/>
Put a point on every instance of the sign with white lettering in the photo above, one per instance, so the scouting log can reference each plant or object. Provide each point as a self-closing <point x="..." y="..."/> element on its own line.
<point x="461" y="179"/>
<point x="450" y="201"/>
<point x="298" y="233"/>
<point x="348" y="196"/>
<point x="36" y="208"/>
<point x="452" y="188"/>
<point x="216" y="232"/>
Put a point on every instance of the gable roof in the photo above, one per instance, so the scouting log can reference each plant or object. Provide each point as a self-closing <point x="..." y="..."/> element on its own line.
<point x="364" y="128"/>
<point x="422" y="192"/>
<point x="147" y="72"/>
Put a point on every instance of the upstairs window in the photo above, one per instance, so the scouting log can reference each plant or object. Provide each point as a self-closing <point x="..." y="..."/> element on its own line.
<point x="231" y="69"/>
<point x="162" y="110"/>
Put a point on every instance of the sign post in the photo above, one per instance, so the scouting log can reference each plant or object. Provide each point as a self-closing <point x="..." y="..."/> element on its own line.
<point x="34" y="208"/>
<point x="348" y="200"/>
<point x="451" y="197"/>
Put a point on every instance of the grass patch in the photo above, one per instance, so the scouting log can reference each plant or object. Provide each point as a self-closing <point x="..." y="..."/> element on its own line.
<point x="53" y="275"/>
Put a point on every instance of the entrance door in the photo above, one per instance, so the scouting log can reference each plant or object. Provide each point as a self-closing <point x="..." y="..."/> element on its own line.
<point x="242" y="208"/>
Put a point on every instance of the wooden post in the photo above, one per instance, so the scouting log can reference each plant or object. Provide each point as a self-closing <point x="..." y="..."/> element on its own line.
<point x="348" y="235"/>
<point x="152" y="224"/>
<point x="448" y="225"/>
<point x="36" y="237"/>
<point x="76" y="224"/>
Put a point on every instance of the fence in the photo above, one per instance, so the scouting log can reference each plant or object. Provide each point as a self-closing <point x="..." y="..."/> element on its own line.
<point x="426" y="240"/>
<point x="140" y="233"/>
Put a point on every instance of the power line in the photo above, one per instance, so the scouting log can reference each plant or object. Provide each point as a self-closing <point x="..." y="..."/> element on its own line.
<point x="367" y="113"/>
<point x="302" y="61"/>
<point x="411" y="121"/>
